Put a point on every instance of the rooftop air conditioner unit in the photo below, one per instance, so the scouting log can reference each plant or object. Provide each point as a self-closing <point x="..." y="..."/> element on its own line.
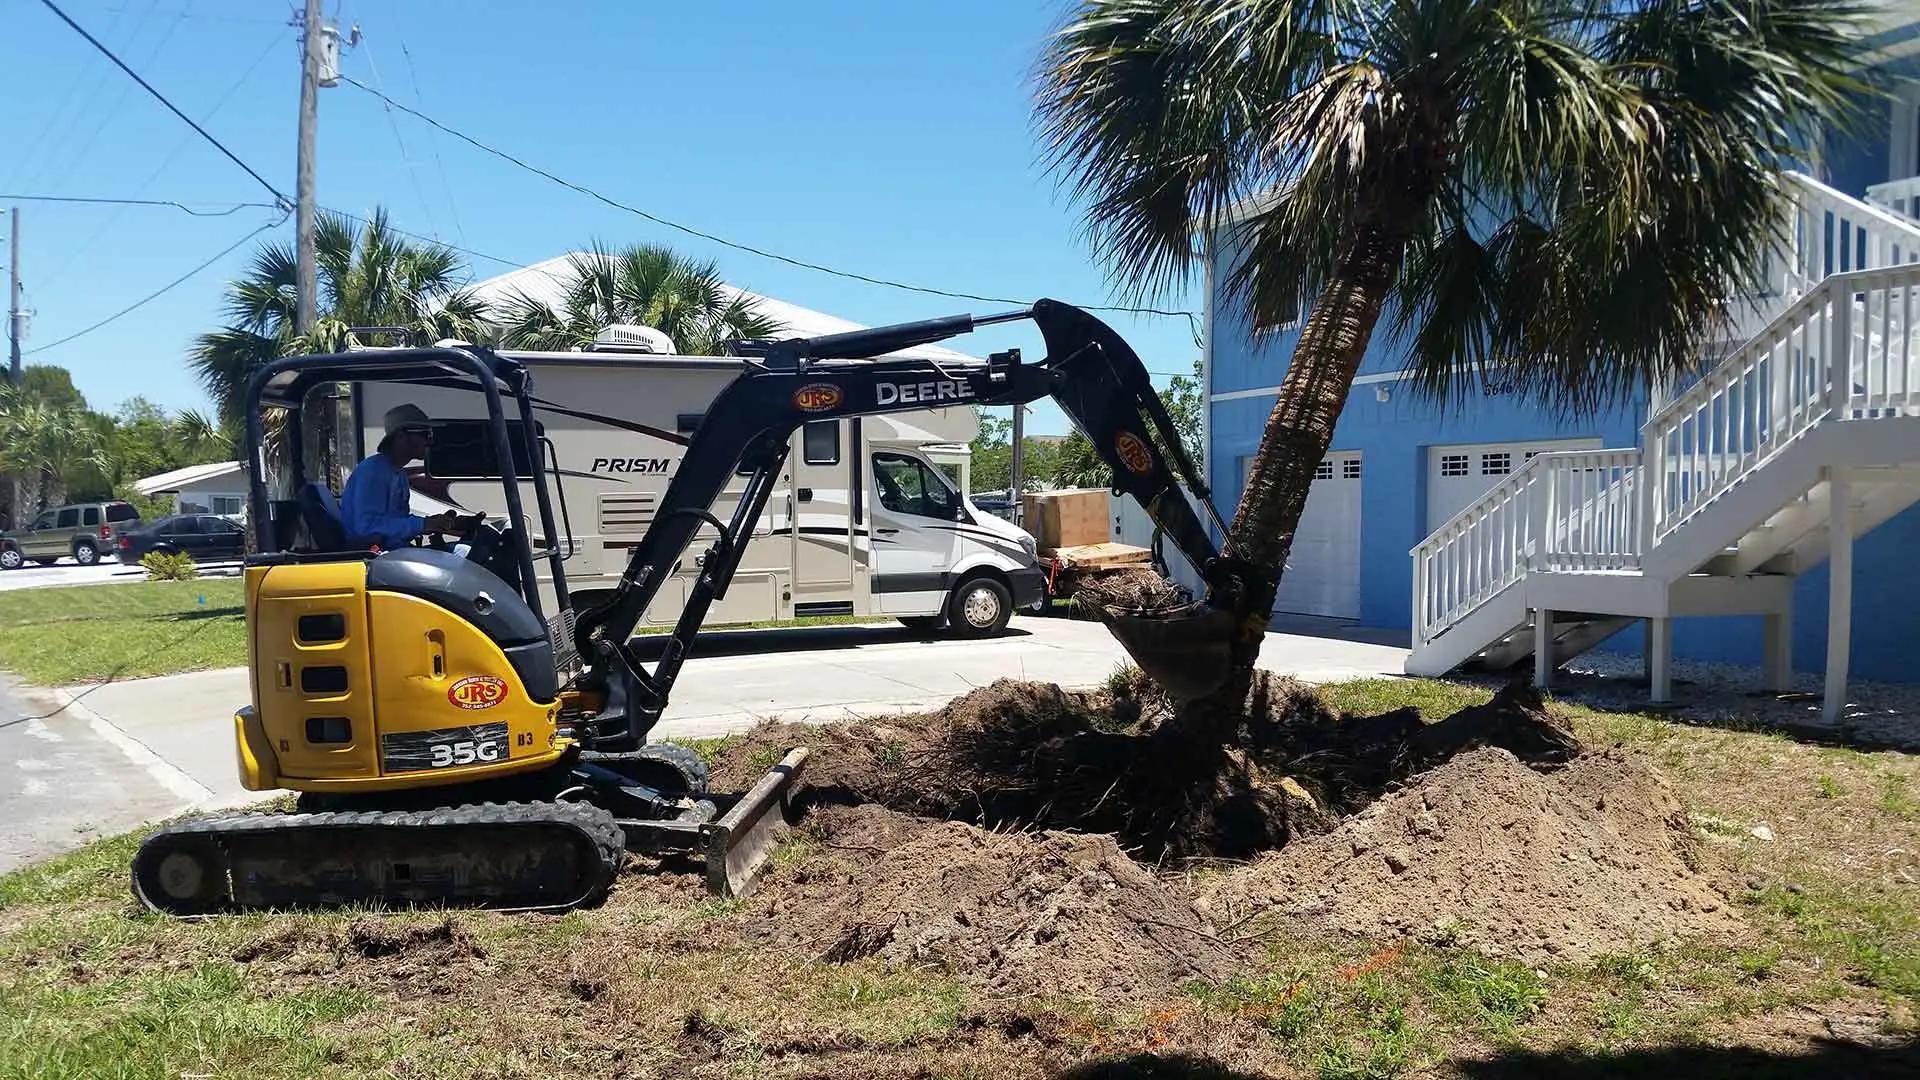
<point x="623" y="337"/>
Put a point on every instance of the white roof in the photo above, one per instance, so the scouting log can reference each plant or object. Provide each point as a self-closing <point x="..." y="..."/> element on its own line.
<point x="185" y="478"/>
<point x="546" y="281"/>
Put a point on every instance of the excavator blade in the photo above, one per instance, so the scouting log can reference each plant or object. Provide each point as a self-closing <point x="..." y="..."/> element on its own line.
<point x="739" y="843"/>
<point x="1190" y="651"/>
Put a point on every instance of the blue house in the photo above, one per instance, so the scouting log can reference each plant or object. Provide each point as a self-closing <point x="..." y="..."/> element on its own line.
<point x="1705" y="526"/>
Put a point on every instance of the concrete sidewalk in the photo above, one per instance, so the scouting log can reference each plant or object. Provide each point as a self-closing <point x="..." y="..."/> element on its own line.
<point x="178" y="728"/>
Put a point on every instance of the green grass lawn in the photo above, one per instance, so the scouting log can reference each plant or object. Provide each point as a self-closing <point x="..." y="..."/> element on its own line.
<point x="58" y="636"/>
<point x="662" y="980"/>
<point x="83" y="633"/>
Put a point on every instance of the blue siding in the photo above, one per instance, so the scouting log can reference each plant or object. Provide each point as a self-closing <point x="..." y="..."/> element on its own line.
<point x="1394" y="437"/>
<point x="1853" y="165"/>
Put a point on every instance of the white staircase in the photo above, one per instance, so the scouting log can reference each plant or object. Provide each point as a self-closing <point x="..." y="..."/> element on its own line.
<point x="1731" y="491"/>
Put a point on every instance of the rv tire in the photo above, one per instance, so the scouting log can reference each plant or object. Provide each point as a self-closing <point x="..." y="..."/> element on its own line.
<point x="979" y="607"/>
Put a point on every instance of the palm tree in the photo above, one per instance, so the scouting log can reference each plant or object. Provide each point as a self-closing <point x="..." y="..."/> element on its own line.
<point x="367" y="276"/>
<point x="1559" y="195"/>
<point x="46" y="444"/>
<point x="645" y="284"/>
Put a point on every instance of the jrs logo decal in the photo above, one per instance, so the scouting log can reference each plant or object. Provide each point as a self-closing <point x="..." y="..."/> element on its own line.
<point x="817" y="397"/>
<point x="477" y="692"/>
<point x="1133" y="451"/>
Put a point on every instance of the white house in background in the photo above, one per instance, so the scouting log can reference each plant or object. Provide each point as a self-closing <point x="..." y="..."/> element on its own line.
<point x="217" y="488"/>
<point x="1709" y="524"/>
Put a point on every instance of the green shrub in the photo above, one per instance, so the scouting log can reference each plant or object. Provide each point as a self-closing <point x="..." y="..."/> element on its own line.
<point x="162" y="566"/>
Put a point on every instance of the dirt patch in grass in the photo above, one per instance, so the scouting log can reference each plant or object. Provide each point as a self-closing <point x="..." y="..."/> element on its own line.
<point x="1019" y="837"/>
<point x="1016" y="913"/>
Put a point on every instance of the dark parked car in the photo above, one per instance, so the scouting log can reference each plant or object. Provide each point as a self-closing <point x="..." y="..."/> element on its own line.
<point x="202" y="536"/>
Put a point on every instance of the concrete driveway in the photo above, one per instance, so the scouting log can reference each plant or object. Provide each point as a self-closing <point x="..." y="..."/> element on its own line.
<point x="166" y="744"/>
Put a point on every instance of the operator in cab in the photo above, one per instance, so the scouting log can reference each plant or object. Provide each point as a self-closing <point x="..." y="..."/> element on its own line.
<point x="374" y="508"/>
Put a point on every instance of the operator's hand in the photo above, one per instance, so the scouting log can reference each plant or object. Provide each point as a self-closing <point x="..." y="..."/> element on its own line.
<point x="442" y="522"/>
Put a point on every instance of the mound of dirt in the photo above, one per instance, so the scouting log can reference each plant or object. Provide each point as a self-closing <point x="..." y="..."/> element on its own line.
<point x="1592" y="858"/>
<point x="1054" y="912"/>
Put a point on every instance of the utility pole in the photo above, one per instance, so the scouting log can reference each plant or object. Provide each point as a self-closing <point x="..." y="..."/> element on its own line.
<point x="319" y="67"/>
<point x="309" y="119"/>
<point x="14" y="317"/>
<point x="1019" y="452"/>
<point x="15" y="331"/>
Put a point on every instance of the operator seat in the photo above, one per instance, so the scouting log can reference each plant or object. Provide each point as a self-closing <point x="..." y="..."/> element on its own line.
<point x="321" y="515"/>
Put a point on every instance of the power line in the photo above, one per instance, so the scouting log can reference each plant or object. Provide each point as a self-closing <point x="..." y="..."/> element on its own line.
<point x="161" y="98"/>
<point x="104" y="201"/>
<point x="168" y="287"/>
<point x="689" y="230"/>
<point x="521" y="264"/>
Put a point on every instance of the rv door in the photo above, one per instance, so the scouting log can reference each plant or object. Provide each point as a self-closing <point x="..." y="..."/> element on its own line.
<point x="913" y="534"/>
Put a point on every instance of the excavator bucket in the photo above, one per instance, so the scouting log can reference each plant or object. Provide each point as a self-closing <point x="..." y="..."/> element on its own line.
<point x="1189" y="651"/>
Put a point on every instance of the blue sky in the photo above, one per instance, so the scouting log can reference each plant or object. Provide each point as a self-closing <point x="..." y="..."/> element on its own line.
<point x="894" y="140"/>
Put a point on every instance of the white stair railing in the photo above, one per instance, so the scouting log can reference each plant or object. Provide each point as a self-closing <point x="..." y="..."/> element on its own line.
<point x="1834" y="233"/>
<point x="1847" y="286"/>
<point x="1567" y="510"/>
<point x="1782" y="382"/>
<point x="1899" y="197"/>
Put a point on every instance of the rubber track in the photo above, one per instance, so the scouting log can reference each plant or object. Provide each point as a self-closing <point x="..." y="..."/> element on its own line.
<point x="286" y="836"/>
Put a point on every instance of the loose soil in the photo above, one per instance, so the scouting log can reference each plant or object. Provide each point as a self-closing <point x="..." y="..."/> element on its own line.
<point x="1017" y="913"/>
<point x="1029" y="839"/>
<point x="1593" y="859"/>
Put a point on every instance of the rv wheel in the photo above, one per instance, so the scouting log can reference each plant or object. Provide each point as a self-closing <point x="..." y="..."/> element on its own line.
<point x="980" y="607"/>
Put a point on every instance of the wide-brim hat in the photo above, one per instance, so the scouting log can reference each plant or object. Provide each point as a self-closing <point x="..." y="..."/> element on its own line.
<point x="398" y="419"/>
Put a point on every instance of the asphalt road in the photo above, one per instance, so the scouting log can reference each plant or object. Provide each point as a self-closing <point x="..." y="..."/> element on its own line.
<point x="107" y="571"/>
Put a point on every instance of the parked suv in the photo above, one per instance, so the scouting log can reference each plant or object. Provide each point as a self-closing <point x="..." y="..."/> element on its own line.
<point x="203" y="536"/>
<point x="85" y="531"/>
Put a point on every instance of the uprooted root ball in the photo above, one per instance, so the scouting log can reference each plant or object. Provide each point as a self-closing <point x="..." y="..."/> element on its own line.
<point x="1168" y="783"/>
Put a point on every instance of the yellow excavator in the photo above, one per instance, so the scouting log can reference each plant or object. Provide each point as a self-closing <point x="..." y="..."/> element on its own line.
<point x="453" y="743"/>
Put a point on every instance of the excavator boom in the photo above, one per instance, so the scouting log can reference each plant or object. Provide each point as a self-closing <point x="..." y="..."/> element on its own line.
<point x="1093" y="375"/>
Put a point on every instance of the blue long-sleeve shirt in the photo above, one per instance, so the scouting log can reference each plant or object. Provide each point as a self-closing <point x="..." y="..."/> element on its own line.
<point x="373" y="509"/>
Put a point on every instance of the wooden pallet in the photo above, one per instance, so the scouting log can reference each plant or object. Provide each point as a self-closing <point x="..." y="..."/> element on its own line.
<point x="1107" y="556"/>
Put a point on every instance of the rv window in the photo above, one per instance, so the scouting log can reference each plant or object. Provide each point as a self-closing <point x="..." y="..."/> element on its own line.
<point x="463" y="450"/>
<point x="909" y="487"/>
<point x="820" y="442"/>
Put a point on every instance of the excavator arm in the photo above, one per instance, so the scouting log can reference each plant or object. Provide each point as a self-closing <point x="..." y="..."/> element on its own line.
<point x="1094" y="376"/>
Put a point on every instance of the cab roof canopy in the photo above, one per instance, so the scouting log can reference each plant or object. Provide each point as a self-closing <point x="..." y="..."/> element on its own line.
<point x="285" y="383"/>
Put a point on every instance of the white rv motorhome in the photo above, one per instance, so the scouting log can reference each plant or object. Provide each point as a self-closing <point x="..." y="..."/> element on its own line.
<point x="861" y="522"/>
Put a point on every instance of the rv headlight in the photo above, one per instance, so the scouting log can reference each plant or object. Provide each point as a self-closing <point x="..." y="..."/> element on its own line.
<point x="1030" y="545"/>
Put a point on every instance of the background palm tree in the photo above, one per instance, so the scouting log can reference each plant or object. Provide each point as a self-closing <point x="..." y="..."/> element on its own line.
<point x="1558" y="194"/>
<point x="369" y="275"/>
<point x="47" y="445"/>
<point x="647" y="284"/>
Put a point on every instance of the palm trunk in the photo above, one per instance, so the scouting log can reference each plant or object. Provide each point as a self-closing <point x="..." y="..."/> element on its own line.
<point x="1297" y="435"/>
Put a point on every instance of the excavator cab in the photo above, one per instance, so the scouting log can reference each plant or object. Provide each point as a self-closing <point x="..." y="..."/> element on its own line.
<point x="454" y="743"/>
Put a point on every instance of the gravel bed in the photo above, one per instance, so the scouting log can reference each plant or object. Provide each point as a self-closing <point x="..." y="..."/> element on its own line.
<point x="1878" y="715"/>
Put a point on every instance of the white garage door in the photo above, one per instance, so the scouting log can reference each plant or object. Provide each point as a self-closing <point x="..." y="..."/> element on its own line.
<point x="1323" y="570"/>
<point x="1458" y="475"/>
